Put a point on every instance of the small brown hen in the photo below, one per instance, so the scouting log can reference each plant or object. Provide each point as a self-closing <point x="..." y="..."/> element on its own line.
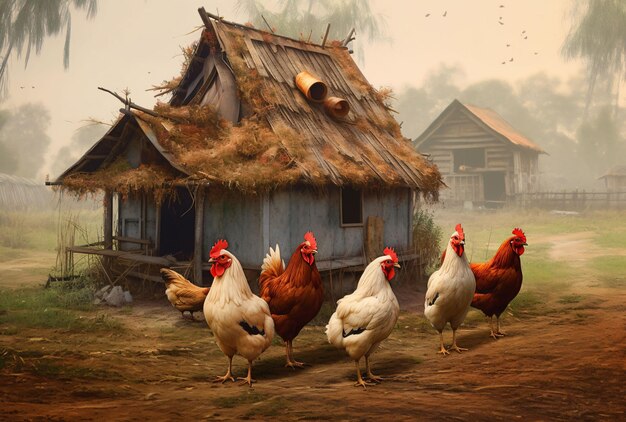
<point x="294" y="294"/>
<point x="183" y="294"/>
<point x="499" y="280"/>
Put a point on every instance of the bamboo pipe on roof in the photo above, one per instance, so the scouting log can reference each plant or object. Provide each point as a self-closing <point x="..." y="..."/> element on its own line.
<point x="336" y="107"/>
<point x="312" y="88"/>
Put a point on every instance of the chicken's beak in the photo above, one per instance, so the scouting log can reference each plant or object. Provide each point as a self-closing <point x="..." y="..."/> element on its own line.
<point x="462" y="243"/>
<point x="211" y="260"/>
<point x="397" y="265"/>
<point x="524" y="244"/>
<point x="314" y="251"/>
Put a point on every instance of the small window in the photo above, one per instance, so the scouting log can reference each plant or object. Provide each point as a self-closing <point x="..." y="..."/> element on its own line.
<point x="468" y="159"/>
<point x="351" y="207"/>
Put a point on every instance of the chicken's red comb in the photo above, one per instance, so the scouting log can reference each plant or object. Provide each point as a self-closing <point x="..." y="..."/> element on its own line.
<point x="459" y="230"/>
<point x="519" y="233"/>
<point x="308" y="236"/>
<point x="391" y="253"/>
<point x="219" y="245"/>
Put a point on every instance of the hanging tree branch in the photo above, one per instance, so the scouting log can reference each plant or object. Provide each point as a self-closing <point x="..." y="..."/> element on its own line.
<point x="129" y="104"/>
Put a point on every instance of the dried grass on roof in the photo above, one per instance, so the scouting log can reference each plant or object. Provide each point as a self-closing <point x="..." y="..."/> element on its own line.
<point x="123" y="179"/>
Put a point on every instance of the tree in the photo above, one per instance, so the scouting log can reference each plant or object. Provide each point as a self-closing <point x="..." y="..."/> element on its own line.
<point x="307" y="19"/>
<point x="600" y="142"/>
<point x="23" y="137"/>
<point x="83" y="139"/>
<point x="24" y="24"/>
<point x="598" y="36"/>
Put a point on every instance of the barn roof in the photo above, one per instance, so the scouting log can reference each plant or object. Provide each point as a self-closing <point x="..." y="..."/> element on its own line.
<point x="237" y="119"/>
<point x="619" y="170"/>
<point x="489" y="120"/>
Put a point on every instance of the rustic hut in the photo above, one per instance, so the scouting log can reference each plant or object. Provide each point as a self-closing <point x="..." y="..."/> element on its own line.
<point x="615" y="179"/>
<point x="241" y="153"/>
<point x="481" y="157"/>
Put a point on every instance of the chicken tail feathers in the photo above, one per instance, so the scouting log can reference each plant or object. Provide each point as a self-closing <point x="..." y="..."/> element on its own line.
<point x="334" y="331"/>
<point x="272" y="266"/>
<point x="173" y="280"/>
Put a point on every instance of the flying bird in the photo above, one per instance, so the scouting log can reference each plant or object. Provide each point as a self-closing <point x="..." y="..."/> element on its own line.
<point x="501" y="23"/>
<point x="427" y="14"/>
<point x="445" y="13"/>
<point x="511" y="59"/>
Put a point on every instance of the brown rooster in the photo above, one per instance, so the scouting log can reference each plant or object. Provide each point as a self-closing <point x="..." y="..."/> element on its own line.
<point x="183" y="294"/>
<point x="294" y="294"/>
<point x="499" y="280"/>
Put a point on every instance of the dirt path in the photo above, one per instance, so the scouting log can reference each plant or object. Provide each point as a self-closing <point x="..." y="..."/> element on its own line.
<point x="563" y="362"/>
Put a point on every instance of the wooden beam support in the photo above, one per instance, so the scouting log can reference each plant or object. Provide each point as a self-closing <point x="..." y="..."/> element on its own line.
<point x="198" y="236"/>
<point x="108" y="229"/>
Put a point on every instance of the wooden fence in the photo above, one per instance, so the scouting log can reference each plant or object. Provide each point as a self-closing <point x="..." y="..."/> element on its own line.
<point x="570" y="200"/>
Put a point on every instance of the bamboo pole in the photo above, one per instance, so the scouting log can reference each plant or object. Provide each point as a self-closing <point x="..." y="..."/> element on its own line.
<point x="198" y="236"/>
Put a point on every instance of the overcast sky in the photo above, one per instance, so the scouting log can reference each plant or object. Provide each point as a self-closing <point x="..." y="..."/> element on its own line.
<point x="135" y="44"/>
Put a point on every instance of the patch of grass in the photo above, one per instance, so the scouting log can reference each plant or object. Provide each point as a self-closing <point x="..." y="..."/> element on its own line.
<point x="53" y="308"/>
<point x="270" y="407"/>
<point x="248" y="397"/>
<point x="525" y="302"/>
<point x="49" y="369"/>
<point x="571" y="298"/>
<point x="610" y="270"/>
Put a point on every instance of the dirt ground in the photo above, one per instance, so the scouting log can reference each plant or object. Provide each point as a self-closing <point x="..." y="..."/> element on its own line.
<point x="564" y="363"/>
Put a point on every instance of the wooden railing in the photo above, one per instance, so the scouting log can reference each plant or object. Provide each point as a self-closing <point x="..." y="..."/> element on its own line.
<point x="577" y="200"/>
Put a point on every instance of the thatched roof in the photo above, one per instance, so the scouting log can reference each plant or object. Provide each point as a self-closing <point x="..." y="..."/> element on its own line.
<point x="236" y="119"/>
<point x="489" y="120"/>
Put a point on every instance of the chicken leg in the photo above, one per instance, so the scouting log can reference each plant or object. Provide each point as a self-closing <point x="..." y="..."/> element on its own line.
<point x="495" y="334"/>
<point x="373" y="378"/>
<point x="248" y="380"/>
<point x="454" y="346"/>
<point x="442" y="349"/>
<point x="229" y="375"/>
<point x="291" y="362"/>
<point x="359" y="379"/>
<point x="498" y="332"/>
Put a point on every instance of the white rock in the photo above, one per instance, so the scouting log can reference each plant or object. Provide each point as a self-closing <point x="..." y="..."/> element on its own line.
<point x="128" y="297"/>
<point x="115" y="297"/>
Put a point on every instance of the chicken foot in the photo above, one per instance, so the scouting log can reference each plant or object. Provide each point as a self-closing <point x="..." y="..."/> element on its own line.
<point x="247" y="380"/>
<point x="442" y="348"/>
<point x="495" y="334"/>
<point x="359" y="379"/>
<point x="291" y="362"/>
<point x="229" y="374"/>
<point x="373" y="378"/>
<point x="498" y="332"/>
<point x="454" y="346"/>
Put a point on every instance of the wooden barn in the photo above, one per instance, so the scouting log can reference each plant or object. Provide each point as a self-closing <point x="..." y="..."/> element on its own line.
<point x="615" y="179"/>
<point x="482" y="158"/>
<point x="240" y="152"/>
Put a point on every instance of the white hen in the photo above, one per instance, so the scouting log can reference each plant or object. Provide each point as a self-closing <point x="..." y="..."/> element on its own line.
<point x="450" y="290"/>
<point x="240" y="321"/>
<point x="366" y="317"/>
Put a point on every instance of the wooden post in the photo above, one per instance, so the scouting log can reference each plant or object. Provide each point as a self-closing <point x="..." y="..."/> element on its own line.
<point x="108" y="219"/>
<point x="108" y="230"/>
<point x="198" y="237"/>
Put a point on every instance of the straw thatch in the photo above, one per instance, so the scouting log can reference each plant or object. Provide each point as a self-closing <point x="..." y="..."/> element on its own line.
<point x="237" y="120"/>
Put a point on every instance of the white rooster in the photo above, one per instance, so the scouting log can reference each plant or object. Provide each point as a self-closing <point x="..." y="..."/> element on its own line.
<point x="240" y="321"/>
<point x="366" y="317"/>
<point x="450" y="290"/>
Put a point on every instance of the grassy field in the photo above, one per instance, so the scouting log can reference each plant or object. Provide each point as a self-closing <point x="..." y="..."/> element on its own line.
<point x="63" y="358"/>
